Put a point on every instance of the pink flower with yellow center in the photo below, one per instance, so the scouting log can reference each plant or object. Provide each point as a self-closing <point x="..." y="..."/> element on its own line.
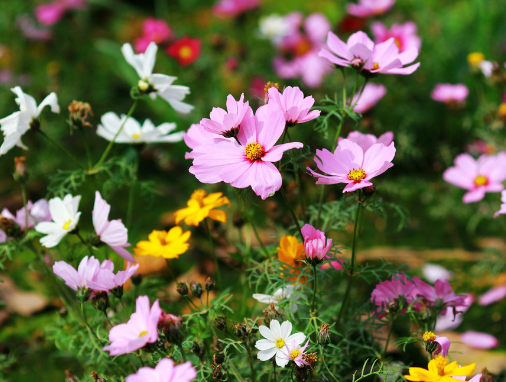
<point x="404" y="35"/>
<point x="477" y="176"/>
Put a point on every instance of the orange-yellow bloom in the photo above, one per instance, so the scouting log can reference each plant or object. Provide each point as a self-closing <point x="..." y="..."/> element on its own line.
<point x="201" y="206"/>
<point x="439" y="371"/>
<point x="166" y="244"/>
<point x="291" y="252"/>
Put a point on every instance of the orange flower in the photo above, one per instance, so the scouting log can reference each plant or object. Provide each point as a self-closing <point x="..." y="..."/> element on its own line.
<point x="201" y="206"/>
<point x="291" y="252"/>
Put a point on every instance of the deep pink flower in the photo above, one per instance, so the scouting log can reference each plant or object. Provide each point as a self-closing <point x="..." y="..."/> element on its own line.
<point x="493" y="295"/>
<point x="440" y="295"/>
<point x="399" y="290"/>
<point x="448" y="320"/>
<point x="404" y="35"/>
<point x="370" y="97"/>
<point x="164" y="371"/>
<point x="78" y="280"/>
<point x="233" y="8"/>
<point x="140" y="329"/>
<point x="228" y="123"/>
<point x="153" y="30"/>
<point x="336" y="264"/>
<point x="361" y="53"/>
<point x="294" y="105"/>
<point x="443" y="346"/>
<point x="450" y="94"/>
<point x="316" y="245"/>
<point x="479" y="340"/>
<point x="50" y="13"/>
<point x="352" y="165"/>
<point x="502" y="210"/>
<point x="249" y="162"/>
<point x="369" y="8"/>
<point x="477" y="176"/>
<point x="113" y="233"/>
<point x="365" y="141"/>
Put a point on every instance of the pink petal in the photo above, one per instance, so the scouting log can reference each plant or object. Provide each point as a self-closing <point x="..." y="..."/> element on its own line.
<point x="493" y="295"/>
<point x="100" y="213"/>
<point x="276" y="153"/>
<point x="378" y="158"/>
<point x="479" y="340"/>
<point x="474" y="196"/>
<point x="266" y="179"/>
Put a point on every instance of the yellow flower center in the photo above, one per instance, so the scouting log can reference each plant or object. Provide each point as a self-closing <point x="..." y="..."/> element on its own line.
<point x="429" y="336"/>
<point x="502" y="110"/>
<point x="136" y="136"/>
<point x="294" y="353"/>
<point x="440" y="363"/>
<point x="480" y="180"/>
<point x="254" y="151"/>
<point x="185" y="52"/>
<point x="143" y="333"/>
<point x="280" y="343"/>
<point x="356" y="175"/>
<point x="474" y="59"/>
<point x="375" y="66"/>
<point x="67" y="224"/>
<point x="143" y="85"/>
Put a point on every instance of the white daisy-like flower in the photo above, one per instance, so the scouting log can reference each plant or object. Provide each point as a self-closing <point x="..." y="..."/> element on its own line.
<point x="282" y="294"/>
<point x="274" y="27"/>
<point x="275" y="340"/>
<point x="18" y="123"/>
<point x="133" y="132"/>
<point x="65" y="217"/>
<point x="156" y="84"/>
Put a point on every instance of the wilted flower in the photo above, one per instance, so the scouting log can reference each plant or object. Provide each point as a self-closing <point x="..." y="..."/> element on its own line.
<point x="316" y="245"/>
<point x="450" y="94"/>
<point x="370" y="96"/>
<point x="164" y="371"/>
<point x="228" y="123"/>
<point x="369" y="8"/>
<point x="404" y="35"/>
<point x="439" y="371"/>
<point x="365" y="141"/>
<point x="281" y="295"/>
<point x="166" y="244"/>
<point x="185" y="50"/>
<point x="294" y="105"/>
<point x="443" y="346"/>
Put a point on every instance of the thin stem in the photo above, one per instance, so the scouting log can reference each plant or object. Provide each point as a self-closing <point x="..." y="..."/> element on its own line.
<point x="345" y="298"/>
<point x="251" y="364"/>
<point x="254" y="228"/>
<point x="235" y="371"/>
<point x="292" y="212"/>
<point x="93" y="335"/>
<point x="315" y="289"/>
<point x="25" y="201"/>
<point x="211" y="240"/>
<point x="320" y="205"/>
<point x="131" y="190"/>
<point x="86" y="148"/>
<point x="325" y="364"/>
<point x="63" y="149"/>
<point x="354" y="88"/>
<point x="355" y="238"/>
<point x="180" y="346"/>
<point x="169" y="267"/>
<point x="111" y="143"/>
<point x="191" y="302"/>
<point x="388" y="336"/>
<point x="360" y="93"/>
<point x="274" y="369"/>
<point x="297" y="181"/>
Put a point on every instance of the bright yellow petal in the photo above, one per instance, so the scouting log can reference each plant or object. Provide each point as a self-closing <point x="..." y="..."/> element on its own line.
<point x="218" y="215"/>
<point x="212" y="198"/>
<point x="183" y="213"/>
<point x="453" y="369"/>
<point x="422" y="375"/>
<point x="173" y="234"/>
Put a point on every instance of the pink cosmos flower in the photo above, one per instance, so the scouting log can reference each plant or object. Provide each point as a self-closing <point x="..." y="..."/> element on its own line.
<point x="296" y="353"/>
<point x="249" y="162"/>
<point x="371" y="59"/>
<point x="448" y="320"/>
<point x="105" y="280"/>
<point x="450" y="94"/>
<point x="298" y="50"/>
<point x="365" y="141"/>
<point x="294" y="105"/>
<point x="31" y="31"/>
<point x="227" y="123"/>
<point x="404" y="35"/>
<point x="113" y="233"/>
<point x="443" y="346"/>
<point x="352" y="165"/>
<point x="233" y="8"/>
<point x="440" y="295"/>
<point x="399" y="291"/>
<point x="479" y="340"/>
<point x="337" y="264"/>
<point x="493" y="295"/>
<point x="502" y="210"/>
<point x="369" y="8"/>
<point x="197" y="136"/>
<point x="164" y="371"/>
<point x="140" y="329"/>
<point x="37" y="212"/>
<point x="316" y="245"/>
<point x="153" y="30"/>
<point x="477" y="176"/>
<point x="370" y="97"/>
<point x="50" y="13"/>
<point x="78" y="280"/>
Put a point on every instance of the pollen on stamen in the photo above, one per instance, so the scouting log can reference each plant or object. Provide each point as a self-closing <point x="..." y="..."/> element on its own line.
<point x="481" y="180"/>
<point x="67" y="224"/>
<point x="254" y="151"/>
<point x="143" y="333"/>
<point x="294" y="353"/>
<point x="280" y="343"/>
<point x="375" y="66"/>
<point x="356" y="175"/>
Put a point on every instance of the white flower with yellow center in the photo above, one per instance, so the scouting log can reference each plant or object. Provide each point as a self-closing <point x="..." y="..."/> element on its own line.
<point x="275" y="340"/>
<point x="65" y="219"/>
<point x="281" y="295"/>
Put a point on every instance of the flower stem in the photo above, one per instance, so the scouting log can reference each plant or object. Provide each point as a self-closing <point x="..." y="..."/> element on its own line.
<point x="388" y="336"/>
<point x="297" y="180"/>
<point x="180" y="346"/>
<point x="274" y="369"/>
<point x="292" y="212"/>
<point x="93" y="335"/>
<point x="325" y="364"/>
<point x="254" y="228"/>
<point x="218" y="275"/>
<point x="315" y="289"/>
<point x="132" y="189"/>
<point x="62" y="149"/>
<point x="251" y="364"/>
<point x="111" y="143"/>
<point x="25" y="201"/>
<point x="235" y="371"/>
<point x="87" y="148"/>
<point x="354" y="88"/>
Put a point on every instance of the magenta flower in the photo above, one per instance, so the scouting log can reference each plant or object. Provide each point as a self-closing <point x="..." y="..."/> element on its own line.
<point x="336" y="264"/>
<point x="113" y="233"/>
<point x="365" y="141"/>
<point x="294" y="105"/>
<point x="140" y="329"/>
<point x="233" y="8"/>
<point x="352" y="165"/>
<point x="78" y="280"/>
<point x="477" y="176"/>
<point x="404" y="35"/>
<point x="493" y="295"/>
<point x="399" y="291"/>
<point x="361" y="53"/>
<point x="370" y="97"/>
<point x="369" y="8"/>
<point x="448" y="320"/>
<point x="228" y="123"/>
<point x="164" y="371"/>
<point x="316" y="245"/>
<point x="502" y="210"/>
<point x="440" y="295"/>
<point x="443" y="346"/>
<point x="450" y="94"/>
<point x="249" y="162"/>
<point x="479" y="340"/>
<point x="153" y="30"/>
<point x="50" y="13"/>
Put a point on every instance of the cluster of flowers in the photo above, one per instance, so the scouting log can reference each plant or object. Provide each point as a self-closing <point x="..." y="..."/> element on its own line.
<point x="24" y="219"/>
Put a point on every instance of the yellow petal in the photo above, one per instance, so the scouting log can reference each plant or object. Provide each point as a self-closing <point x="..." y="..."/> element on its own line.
<point x="173" y="234"/>
<point x="218" y="215"/>
<point x="422" y="375"/>
<point x="454" y="370"/>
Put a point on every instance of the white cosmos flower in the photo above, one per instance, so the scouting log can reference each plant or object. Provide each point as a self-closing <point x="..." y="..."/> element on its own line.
<point x="275" y="340"/>
<point x="143" y="64"/>
<point x="18" y="123"/>
<point x="65" y="218"/>
<point x="274" y="28"/>
<point x="133" y="132"/>
<point x="279" y="296"/>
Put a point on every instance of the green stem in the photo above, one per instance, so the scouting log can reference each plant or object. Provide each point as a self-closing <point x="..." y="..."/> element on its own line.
<point x="355" y="238"/>
<point x="292" y="212"/>
<point x="93" y="335"/>
<point x="87" y="148"/>
<point x="25" y="202"/>
<point x="235" y="371"/>
<point x="111" y="143"/>
<point x="169" y="267"/>
<point x="354" y="88"/>
<point x="63" y="149"/>
<point x="180" y="346"/>
<point x="388" y="336"/>
<point x="315" y="289"/>
<point x="254" y="228"/>
<point x="345" y="298"/>
<point x="214" y="253"/>
<point x="325" y="364"/>
<point x="274" y="369"/>
<point x="251" y="364"/>
<point x="131" y="190"/>
<point x="297" y="181"/>
<point x="360" y="94"/>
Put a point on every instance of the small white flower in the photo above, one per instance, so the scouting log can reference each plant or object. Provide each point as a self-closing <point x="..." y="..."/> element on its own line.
<point x="433" y="272"/>
<point x="487" y="67"/>
<point x="18" y="123"/>
<point x="133" y="132"/>
<point x="279" y="296"/>
<point x="274" y="28"/>
<point x="143" y="64"/>
<point x="276" y="339"/>
<point x="65" y="218"/>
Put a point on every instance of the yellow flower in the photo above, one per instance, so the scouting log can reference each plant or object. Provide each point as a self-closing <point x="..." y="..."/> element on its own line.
<point x="439" y="371"/>
<point x="201" y="206"/>
<point x="502" y="110"/>
<point x="166" y="244"/>
<point x="475" y="58"/>
<point x="291" y="252"/>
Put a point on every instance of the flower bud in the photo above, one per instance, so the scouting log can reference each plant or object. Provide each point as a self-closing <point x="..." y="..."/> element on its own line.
<point x="368" y="191"/>
<point x="209" y="285"/>
<point x="172" y="327"/>
<point x="83" y="294"/>
<point x="316" y="245"/>
<point x="196" y="288"/>
<point x="239" y="330"/>
<point x="486" y="376"/>
<point x="221" y="323"/>
<point x="96" y="377"/>
<point x="219" y="372"/>
<point x="20" y="170"/>
<point x="100" y="301"/>
<point x="199" y="350"/>
<point x="324" y="335"/>
<point x="218" y="357"/>
<point x="136" y="279"/>
<point x="117" y="292"/>
<point x="79" y="113"/>
<point x="182" y="288"/>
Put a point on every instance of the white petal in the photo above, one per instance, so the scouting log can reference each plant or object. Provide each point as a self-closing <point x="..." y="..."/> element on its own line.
<point x="276" y="329"/>
<point x="52" y="101"/>
<point x="264" y="345"/>
<point x="267" y="333"/>
<point x="265" y="355"/>
<point x="298" y="338"/>
<point x="286" y="329"/>
<point x="281" y="360"/>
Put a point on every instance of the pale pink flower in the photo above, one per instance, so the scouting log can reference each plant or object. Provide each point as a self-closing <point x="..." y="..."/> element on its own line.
<point x="440" y="295"/>
<point x="493" y="295"/>
<point x="443" y="346"/>
<point x="448" y="320"/>
<point x="197" y="135"/>
<point x="31" y="31"/>
<point x="78" y="280"/>
<point x="479" y="340"/>
<point x="450" y="94"/>
<point x="369" y="8"/>
<point x="105" y="280"/>
<point x="502" y="210"/>
<point x="370" y="96"/>
<point x="140" y="329"/>
<point x="316" y="245"/>
<point x="153" y="30"/>
<point x="371" y="59"/>
<point x="296" y="353"/>
<point x="113" y="233"/>
<point x="37" y="212"/>
<point x="294" y="105"/>
<point x="365" y="141"/>
<point x="477" y="176"/>
<point x="399" y="291"/>
<point x="249" y="162"/>
<point x="352" y="165"/>
<point x="164" y="371"/>
<point x="233" y="8"/>
<point x="228" y="123"/>
<point x="404" y="35"/>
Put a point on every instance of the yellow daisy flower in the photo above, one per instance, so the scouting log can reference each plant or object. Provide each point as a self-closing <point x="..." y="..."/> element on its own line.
<point x="166" y="244"/>
<point x="474" y="59"/>
<point x="439" y="371"/>
<point x="291" y="252"/>
<point x="201" y="206"/>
